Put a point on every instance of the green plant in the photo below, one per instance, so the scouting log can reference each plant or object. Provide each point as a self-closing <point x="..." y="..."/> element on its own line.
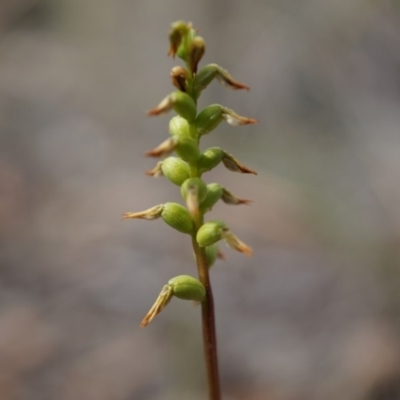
<point x="186" y="171"/>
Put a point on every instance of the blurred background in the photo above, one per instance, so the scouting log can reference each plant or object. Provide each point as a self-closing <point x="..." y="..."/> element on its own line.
<point x="313" y="315"/>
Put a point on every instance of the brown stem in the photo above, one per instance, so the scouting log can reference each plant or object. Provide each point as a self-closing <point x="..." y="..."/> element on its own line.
<point x="208" y="319"/>
<point x="207" y="306"/>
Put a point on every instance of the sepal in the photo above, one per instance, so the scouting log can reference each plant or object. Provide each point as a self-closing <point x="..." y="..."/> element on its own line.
<point x="162" y="301"/>
<point x="225" y="79"/>
<point x="164" y="148"/>
<point x="234" y="242"/>
<point x="209" y="118"/>
<point x="150" y="214"/>
<point x="235" y="119"/>
<point x="228" y="198"/>
<point x="234" y="165"/>
<point x="156" y="171"/>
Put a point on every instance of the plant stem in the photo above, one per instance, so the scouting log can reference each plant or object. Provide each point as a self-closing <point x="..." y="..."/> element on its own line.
<point x="207" y="306"/>
<point x="208" y="320"/>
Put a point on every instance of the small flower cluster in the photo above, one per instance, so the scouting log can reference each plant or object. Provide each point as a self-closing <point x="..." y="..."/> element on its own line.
<point x="190" y="163"/>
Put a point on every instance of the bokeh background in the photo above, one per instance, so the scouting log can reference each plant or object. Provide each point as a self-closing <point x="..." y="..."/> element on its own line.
<point x="313" y="315"/>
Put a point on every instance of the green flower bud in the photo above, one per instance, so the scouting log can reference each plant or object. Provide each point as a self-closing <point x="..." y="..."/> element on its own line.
<point x="176" y="33"/>
<point x="178" y="217"/>
<point x="184" y="48"/>
<point x="212" y="253"/>
<point x="209" y="118"/>
<point x="184" y="105"/>
<point x="194" y="191"/>
<point x="194" y="185"/>
<point x="187" y="288"/>
<point x="210" y="233"/>
<point x="209" y="159"/>
<point x="179" y="126"/>
<point x="188" y="149"/>
<point x="176" y="170"/>
<point x="214" y="193"/>
<point x="197" y="49"/>
<point x="204" y="77"/>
